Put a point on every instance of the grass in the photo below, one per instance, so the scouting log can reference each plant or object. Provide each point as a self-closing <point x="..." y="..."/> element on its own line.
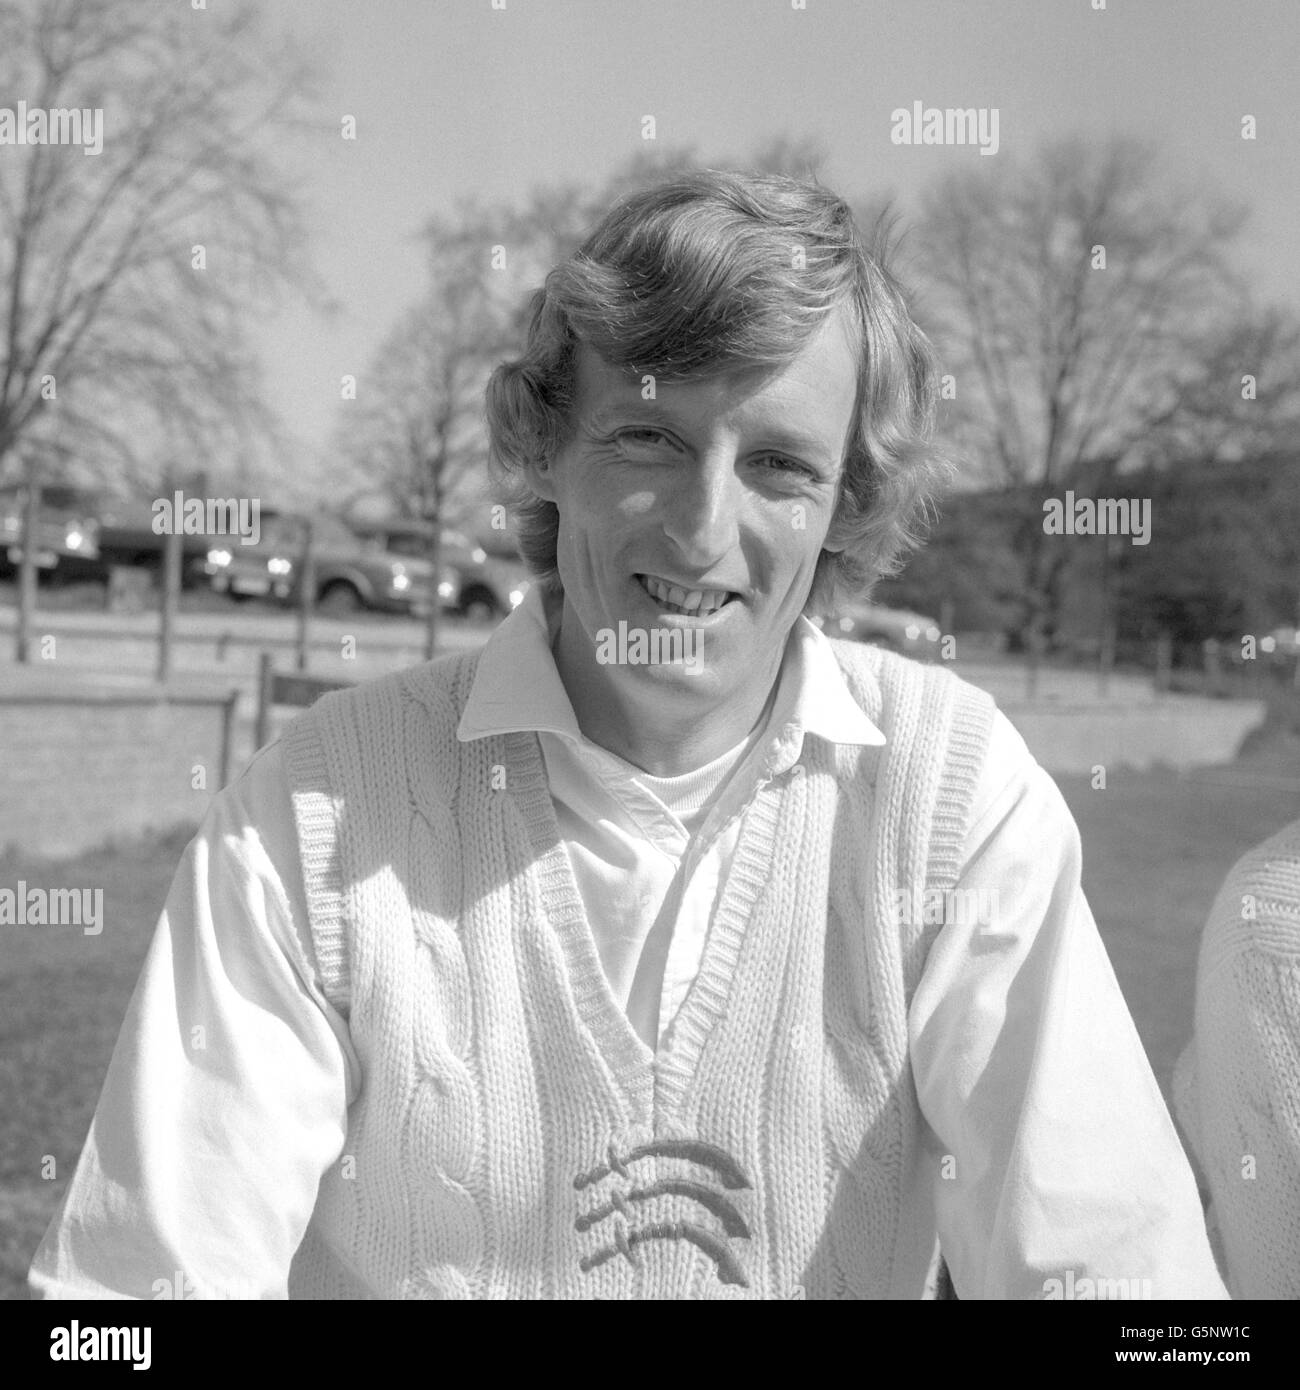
<point x="62" y="999"/>
<point x="1156" y="846"/>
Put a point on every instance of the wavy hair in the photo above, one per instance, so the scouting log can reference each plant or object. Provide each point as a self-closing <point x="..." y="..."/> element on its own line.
<point x="718" y="273"/>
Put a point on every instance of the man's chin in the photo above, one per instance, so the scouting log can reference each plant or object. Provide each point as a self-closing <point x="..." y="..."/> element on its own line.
<point x="669" y="653"/>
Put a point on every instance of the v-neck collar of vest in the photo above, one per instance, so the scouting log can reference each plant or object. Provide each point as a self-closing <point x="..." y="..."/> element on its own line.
<point x="660" y="1081"/>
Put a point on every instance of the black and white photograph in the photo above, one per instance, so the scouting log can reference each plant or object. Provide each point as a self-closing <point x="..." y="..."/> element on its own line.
<point x="649" y="651"/>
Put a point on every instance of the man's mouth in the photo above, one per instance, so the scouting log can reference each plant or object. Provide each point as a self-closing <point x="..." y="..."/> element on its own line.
<point x="690" y="602"/>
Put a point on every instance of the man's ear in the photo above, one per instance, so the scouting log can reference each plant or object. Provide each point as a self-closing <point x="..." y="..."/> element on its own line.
<point x="540" y="475"/>
<point x="837" y="537"/>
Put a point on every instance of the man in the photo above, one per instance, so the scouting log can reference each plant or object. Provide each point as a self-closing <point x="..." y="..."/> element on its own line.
<point x="1237" y="1083"/>
<point x="663" y="949"/>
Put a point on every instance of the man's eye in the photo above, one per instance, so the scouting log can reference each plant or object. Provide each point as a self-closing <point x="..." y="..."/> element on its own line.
<point x="644" y="436"/>
<point x="781" y="464"/>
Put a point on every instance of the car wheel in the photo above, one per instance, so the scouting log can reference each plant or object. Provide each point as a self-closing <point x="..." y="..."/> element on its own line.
<point x="339" y="600"/>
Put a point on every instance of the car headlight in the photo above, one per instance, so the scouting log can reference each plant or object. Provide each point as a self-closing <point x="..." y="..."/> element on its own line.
<point x="932" y="633"/>
<point x="74" y="540"/>
<point x="401" y="582"/>
<point x="277" y="564"/>
<point x="219" y="557"/>
<point x="912" y="631"/>
<point x="846" y="624"/>
<point x="478" y="555"/>
<point x="446" y="589"/>
<point x="517" y="597"/>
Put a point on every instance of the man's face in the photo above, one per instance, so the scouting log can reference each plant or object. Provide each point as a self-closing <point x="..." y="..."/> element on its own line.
<point x="705" y="508"/>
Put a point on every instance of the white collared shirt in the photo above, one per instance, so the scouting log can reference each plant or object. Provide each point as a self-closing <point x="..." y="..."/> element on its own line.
<point x="649" y="878"/>
<point x="1044" y="1128"/>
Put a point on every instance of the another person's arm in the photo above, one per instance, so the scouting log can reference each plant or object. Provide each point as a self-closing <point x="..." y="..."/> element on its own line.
<point x="226" y="1098"/>
<point x="1245" y="1068"/>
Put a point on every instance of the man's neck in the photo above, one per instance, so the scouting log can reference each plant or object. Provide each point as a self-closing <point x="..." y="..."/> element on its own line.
<point x="665" y="737"/>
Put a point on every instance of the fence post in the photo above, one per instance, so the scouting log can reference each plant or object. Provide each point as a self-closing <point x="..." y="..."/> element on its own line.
<point x="1164" y="660"/>
<point x="306" y="594"/>
<point x="1034" y="663"/>
<point x="228" y="733"/>
<point x="173" y="543"/>
<point x="947" y="619"/>
<point x="27" y="571"/>
<point x="1213" y="673"/>
<point x="264" y="677"/>
<point x="1106" y="658"/>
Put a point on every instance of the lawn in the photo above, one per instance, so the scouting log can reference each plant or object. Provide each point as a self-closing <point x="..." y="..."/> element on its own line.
<point x="62" y="998"/>
<point x="1156" y="846"/>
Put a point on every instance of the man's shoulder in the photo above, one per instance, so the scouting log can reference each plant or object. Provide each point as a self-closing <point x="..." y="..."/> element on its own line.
<point x="889" y="677"/>
<point x="1257" y="908"/>
<point x="440" y="684"/>
<point x="358" y="738"/>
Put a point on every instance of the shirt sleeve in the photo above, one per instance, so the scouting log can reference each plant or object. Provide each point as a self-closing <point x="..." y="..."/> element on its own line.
<point x="1058" y="1163"/>
<point x="226" y="1098"/>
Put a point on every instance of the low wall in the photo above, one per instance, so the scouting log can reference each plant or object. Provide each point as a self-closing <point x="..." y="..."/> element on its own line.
<point x="80" y="769"/>
<point x="1177" y="731"/>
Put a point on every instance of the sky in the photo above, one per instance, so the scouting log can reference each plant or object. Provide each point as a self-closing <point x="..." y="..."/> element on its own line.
<point x="456" y="97"/>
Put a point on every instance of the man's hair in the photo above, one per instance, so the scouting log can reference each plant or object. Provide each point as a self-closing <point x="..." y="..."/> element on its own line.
<point x="713" y="274"/>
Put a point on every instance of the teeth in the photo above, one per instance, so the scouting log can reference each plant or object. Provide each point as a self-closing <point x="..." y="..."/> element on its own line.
<point x="688" y="600"/>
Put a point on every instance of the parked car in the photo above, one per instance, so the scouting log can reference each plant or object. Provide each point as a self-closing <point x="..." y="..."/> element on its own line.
<point x="493" y="578"/>
<point x="352" y="571"/>
<point x="488" y="584"/>
<point x="127" y="538"/>
<point x="67" y="529"/>
<point x="911" y="634"/>
<point x="263" y="570"/>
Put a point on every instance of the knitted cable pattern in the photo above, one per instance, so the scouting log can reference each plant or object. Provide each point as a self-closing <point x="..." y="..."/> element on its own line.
<point x="510" y="1139"/>
<point x="1237" y="1085"/>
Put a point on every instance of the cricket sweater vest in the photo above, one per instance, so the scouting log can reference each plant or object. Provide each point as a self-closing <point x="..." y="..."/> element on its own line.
<point x="510" y="1138"/>
<point x="1237" y="1083"/>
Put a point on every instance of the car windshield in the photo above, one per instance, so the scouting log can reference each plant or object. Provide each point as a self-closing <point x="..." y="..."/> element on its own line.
<point x="406" y="544"/>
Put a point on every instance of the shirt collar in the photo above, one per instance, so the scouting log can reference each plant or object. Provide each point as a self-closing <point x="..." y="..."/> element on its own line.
<point x="517" y="686"/>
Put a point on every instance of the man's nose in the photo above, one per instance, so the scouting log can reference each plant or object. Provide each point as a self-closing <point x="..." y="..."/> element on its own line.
<point x="702" y="516"/>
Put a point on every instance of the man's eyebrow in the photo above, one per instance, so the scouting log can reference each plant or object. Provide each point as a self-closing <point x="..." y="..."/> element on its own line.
<point x="633" y="408"/>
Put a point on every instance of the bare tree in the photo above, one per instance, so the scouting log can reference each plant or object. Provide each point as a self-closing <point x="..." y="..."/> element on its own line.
<point x="1081" y="307"/>
<point x="415" y="431"/>
<point x="127" y="275"/>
